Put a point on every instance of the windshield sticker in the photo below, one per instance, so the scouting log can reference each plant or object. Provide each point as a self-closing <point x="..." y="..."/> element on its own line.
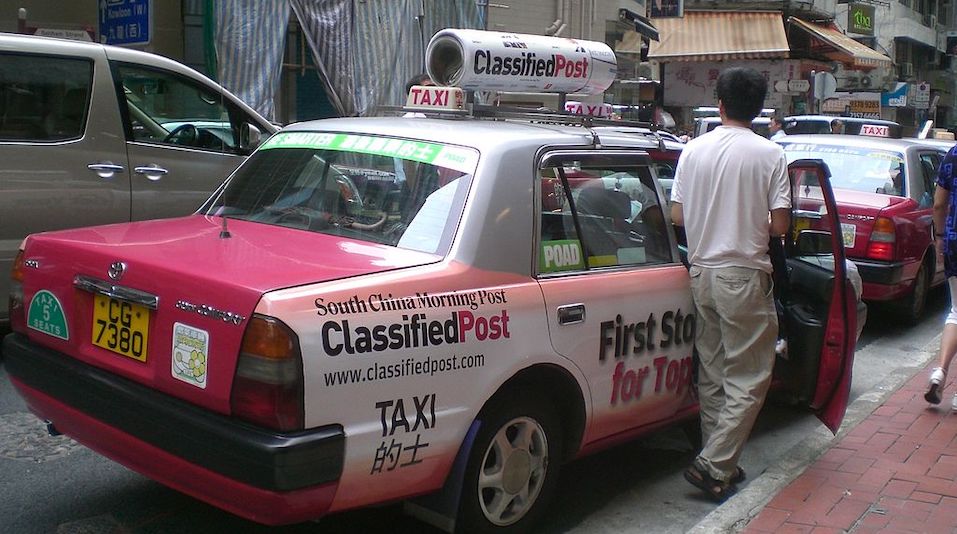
<point x="448" y="156"/>
<point x="190" y="354"/>
<point x="46" y="315"/>
<point x="845" y="150"/>
<point x="561" y="255"/>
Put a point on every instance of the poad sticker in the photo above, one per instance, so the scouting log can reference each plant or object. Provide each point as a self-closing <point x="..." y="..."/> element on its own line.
<point x="190" y="354"/>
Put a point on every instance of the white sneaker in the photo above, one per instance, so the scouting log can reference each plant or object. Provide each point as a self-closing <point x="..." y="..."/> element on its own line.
<point x="935" y="386"/>
<point x="953" y="403"/>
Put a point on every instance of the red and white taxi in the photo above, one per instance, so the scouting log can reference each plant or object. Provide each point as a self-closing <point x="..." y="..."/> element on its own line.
<point x="885" y="192"/>
<point x="372" y="310"/>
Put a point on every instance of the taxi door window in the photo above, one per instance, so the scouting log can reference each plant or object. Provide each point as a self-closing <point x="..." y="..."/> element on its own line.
<point x="43" y="98"/>
<point x="166" y="108"/>
<point x="599" y="211"/>
<point x="929" y="163"/>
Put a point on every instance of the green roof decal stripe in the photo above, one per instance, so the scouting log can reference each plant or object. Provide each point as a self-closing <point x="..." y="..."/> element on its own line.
<point x="452" y="157"/>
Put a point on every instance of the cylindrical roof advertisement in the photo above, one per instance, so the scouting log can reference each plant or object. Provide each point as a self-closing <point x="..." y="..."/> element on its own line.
<point x="484" y="60"/>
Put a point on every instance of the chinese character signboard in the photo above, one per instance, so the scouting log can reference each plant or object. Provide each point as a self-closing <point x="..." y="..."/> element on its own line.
<point x="661" y="9"/>
<point x="860" y="19"/>
<point x="125" y="22"/>
<point x="952" y="43"/>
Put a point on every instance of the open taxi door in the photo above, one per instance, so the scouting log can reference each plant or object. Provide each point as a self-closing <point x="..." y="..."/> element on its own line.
<point x="827" y="323"/>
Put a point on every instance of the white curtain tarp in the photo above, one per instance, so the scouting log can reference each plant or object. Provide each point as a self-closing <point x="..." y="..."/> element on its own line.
<point x="365" y="51"/>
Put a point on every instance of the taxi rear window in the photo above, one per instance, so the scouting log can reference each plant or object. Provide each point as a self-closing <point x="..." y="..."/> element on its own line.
<point x="403" y="193"/>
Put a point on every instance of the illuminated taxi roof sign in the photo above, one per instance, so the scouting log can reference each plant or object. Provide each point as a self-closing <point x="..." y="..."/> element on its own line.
<point x="431" y="98"/>
<point x="481" y="60"/>
<point x="875" y="130"/>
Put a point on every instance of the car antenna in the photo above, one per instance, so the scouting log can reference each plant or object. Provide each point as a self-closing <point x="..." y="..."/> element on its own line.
<point x="224" y="233"/>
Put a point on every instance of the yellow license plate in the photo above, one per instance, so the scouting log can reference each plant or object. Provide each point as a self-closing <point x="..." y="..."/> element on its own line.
<point x="120" y="326"/>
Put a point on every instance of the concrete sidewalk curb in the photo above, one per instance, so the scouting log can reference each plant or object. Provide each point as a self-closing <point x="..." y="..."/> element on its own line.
<point x="737" y="512"/>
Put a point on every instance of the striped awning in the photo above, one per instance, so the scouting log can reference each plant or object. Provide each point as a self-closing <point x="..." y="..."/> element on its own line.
<point x="716" y="35"/>
<point x="836" y="46"/>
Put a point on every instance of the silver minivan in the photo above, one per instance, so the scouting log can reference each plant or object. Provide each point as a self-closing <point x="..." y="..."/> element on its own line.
<point x="93" y="134"/>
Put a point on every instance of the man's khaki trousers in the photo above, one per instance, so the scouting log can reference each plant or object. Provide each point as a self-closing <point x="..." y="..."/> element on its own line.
<point x="737" y="328"/>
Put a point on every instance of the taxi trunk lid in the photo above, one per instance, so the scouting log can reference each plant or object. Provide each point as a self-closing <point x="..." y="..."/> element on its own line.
<point x="181" y="291"/>
<point x="858" y="211"/>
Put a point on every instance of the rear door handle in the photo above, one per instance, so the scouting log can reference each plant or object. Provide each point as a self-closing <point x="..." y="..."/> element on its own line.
<point x="151" y="172"/>
<point x="105" y="169"/>
<point x="571" y="314"/>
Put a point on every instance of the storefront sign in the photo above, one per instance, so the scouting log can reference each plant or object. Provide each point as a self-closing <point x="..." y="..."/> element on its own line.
<point x="861" y="105"/>
<point x="860" y="19"/>
<point x="896" y="98"/>
<point x="691" y="84"/>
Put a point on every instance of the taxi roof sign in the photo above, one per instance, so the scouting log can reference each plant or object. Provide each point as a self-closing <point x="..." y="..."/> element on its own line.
<point x="875" y="130"/>
<point x="432" y="98"/>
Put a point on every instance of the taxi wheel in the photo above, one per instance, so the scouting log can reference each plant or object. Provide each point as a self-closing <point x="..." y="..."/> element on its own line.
<point x="912" y="306"/>
<point x="513" y="468"/>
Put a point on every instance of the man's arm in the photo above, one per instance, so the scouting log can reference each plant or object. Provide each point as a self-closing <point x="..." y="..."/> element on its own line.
<point x="780" y="221"/>
<point x="677" y="215"/>
<point x="941" y="207"/>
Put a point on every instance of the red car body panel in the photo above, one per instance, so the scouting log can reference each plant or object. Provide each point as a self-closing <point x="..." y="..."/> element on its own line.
<point x="226" y="274"/>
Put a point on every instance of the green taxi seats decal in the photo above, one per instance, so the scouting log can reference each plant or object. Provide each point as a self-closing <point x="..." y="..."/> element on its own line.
<point x="46" y="315"/>
<point x="561" y="255"/>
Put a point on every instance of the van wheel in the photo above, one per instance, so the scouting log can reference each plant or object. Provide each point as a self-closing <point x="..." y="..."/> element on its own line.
<point x="912" y="306"/>
<point x="513" y="468"/>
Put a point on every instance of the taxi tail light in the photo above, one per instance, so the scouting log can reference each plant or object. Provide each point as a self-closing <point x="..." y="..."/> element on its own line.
<point x="268" y="384"/>
<point x="16" y="308"/>
<point x="883" y="240"/>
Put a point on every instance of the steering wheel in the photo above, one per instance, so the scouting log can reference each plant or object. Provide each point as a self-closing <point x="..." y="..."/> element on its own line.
<point x="184" y="134"/>
<point x="300" y="216"/>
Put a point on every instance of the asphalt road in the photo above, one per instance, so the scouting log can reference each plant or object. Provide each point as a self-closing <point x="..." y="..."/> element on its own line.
<point x="54" y="485"/>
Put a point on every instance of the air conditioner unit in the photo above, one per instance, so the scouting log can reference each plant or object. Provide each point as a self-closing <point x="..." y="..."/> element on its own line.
<point x="852" y="79"/>
<point x="906" y="70"/>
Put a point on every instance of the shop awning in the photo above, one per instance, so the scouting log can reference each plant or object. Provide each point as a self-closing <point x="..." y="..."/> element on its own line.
<point x="836" y="46"/>
<point x="716" y="35"/>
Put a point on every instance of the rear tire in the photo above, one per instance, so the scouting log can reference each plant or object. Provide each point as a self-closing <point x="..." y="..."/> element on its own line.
<point x="912" y="306"/>
<point x="513" y="468"/>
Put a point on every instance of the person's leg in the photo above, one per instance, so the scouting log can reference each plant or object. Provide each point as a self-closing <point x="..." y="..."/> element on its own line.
<point x="948" y="347"/>
<point x="744" y="302"/>
<point x="710" y="353"/>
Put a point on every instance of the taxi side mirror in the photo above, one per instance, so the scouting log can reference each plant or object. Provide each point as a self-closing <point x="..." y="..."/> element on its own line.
<point x="249" y="137"/>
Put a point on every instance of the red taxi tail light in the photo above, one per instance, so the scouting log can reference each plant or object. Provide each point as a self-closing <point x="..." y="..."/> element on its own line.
<point x="883" y="240"/>
<point x="268" y="385"/>
<point x="16" y="307"/>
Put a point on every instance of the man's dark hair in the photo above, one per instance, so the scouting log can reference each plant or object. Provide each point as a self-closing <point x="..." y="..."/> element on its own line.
<point x="742" y="90"/>
<point x="418" y="79"/>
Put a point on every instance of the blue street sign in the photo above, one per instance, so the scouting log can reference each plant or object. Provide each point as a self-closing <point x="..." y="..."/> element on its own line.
<point x="125" y="22"/>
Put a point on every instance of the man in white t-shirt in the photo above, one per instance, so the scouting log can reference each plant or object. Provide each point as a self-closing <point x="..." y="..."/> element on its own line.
<point x="731" y="193"/>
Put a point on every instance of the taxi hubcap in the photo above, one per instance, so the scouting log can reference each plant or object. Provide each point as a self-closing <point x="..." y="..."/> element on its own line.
<point x="513" y="471"/>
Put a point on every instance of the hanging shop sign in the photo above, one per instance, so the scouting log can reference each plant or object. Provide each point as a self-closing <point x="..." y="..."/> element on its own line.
<point x="860" y="19"/>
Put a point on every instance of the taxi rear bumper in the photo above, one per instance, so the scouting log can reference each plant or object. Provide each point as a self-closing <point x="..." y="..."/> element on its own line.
<point x="261" y="475"/>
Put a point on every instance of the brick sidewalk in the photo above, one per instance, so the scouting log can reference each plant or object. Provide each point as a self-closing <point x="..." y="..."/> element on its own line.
<point x="894" y="472"/>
